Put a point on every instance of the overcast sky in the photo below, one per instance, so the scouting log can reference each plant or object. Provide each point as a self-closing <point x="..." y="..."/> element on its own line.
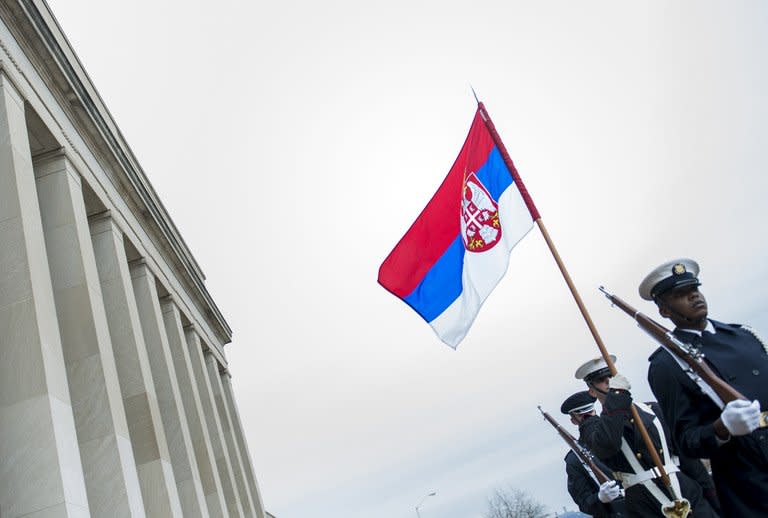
<point x="293" y="143"/>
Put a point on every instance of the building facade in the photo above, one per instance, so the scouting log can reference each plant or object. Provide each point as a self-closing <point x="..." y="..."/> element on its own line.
<point x="115" y="398"/>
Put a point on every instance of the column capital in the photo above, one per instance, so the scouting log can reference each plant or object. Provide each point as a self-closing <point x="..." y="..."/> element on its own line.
<point x="210" y="357"/>
<point x="52" y="154"/>
<point x="193" y="333"/>
<point x="98" y="216"/>
<point x="103" y="222"/>
<point x="7" y="83"/>
<point x="138" y="264"/>
<point x="167" y="300"/>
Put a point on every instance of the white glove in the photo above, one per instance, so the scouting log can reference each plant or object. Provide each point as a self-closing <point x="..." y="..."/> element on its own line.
<point x="741" y="417"/>
<point x="609" y="491"/>
<point x="619" y="382"/>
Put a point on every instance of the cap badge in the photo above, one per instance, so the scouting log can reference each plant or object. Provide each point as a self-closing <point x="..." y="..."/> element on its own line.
<point x="678" y="269"/>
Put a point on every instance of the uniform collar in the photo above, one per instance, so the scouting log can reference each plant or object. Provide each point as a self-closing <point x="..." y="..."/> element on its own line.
<point x="710" y="329"/>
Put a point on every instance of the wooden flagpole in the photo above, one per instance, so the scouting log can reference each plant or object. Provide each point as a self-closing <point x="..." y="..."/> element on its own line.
<point x="579" y="302"/>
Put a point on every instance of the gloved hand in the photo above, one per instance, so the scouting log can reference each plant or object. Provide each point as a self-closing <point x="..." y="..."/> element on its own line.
<point x="741" y="417"/>
<point x="619" y="382"/>
<point x="609" y="491"/>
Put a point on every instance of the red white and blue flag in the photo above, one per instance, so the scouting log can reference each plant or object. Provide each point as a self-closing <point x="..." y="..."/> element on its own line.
<point x="458" y="248"/>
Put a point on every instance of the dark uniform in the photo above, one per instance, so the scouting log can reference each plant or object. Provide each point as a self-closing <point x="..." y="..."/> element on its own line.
<point x="603" y="435"/>
<point x="582" y="484"/>
<point x="740" y="465"/>
<point x="583" y="489"/>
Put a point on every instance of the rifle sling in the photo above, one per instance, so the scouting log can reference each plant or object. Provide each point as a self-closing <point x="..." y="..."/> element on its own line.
<point x="703" y="385"/>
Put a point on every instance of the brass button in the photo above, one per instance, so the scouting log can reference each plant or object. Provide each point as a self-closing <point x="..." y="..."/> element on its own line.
<point x="632" y="420"/>
<point x="639" y="455"/>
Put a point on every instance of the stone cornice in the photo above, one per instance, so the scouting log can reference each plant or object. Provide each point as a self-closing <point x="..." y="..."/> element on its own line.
<point x="56" y="62"/>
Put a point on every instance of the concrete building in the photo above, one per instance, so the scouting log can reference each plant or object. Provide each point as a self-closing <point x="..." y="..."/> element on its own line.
<point x="115" y="398"/>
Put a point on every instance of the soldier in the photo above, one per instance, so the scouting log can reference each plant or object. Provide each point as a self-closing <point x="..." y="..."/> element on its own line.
<point x="595" y="499"/>
<point x="615" y="439"/>
<point x="701" y="425"/>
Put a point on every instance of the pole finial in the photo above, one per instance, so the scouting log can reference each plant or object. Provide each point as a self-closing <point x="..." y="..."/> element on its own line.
<point x="474" y="93"/>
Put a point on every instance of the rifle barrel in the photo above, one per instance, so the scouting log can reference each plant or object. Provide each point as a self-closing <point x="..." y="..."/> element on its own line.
<point x="683" y="351"/>
<point x="584" y="455"/>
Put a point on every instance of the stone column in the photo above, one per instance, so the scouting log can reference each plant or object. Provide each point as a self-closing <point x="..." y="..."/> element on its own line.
<point x="150" y="451"/>
<point x="190" y="397"/>
<point x="167" y="389"/>
<point x="213" y="423"/>
<point x="229" y="436"/>
<point x="40" y="469"/>
<point x="237" y="427"/>
<point x="111" y="480"/>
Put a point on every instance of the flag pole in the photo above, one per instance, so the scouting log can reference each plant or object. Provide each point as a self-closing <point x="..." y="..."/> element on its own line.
<point x="571" y="286"/>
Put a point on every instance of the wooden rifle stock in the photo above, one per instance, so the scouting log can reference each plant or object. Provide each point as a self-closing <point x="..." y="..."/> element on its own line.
<point x="691" y="355"/>
<point x="584" y="455"/>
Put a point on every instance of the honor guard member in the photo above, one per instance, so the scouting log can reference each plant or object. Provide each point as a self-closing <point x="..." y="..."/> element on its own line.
<point x="614" y="438"/>
<point x="595" y="499"/>
<point x="701" y="424"/>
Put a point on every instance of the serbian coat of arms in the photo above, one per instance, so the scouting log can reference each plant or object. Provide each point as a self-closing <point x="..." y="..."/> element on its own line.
<point x="480" y="226"/>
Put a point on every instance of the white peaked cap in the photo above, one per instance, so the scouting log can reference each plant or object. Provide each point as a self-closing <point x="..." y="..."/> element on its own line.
<point x="668" y="276"/>
<point x="592" y="366"/>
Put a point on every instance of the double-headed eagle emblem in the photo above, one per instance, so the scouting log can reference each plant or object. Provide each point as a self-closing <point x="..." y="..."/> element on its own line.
<point x="480" y="227"/>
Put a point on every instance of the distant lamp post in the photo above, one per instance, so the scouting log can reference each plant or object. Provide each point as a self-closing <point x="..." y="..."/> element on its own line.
<point x="433" y="493"/>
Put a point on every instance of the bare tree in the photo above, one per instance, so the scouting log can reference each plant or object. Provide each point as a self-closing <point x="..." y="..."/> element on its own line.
<point x="514" y="503"/>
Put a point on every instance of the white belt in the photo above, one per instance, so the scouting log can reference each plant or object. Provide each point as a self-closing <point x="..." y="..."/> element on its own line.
<point x="644" y="477"/>
<point x="630" y="479"/>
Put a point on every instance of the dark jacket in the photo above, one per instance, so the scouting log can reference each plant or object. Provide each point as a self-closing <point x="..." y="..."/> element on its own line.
<point x="583" y="489"/>
<point x="603" y="435"/>
<point x="739" y="466"/>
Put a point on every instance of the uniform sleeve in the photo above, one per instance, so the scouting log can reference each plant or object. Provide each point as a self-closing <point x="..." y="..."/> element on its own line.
<point x="583" y="491"/>
<point x="677" y="398"/>
<point x="604" y="434"/>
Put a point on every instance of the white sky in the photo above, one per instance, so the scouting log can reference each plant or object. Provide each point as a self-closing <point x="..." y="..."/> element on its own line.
<point x="293" y="144"/>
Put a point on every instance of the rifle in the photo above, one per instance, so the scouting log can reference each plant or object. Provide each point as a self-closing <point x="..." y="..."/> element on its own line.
<point x="688" y="353"/>
<point x="584" y="455"/>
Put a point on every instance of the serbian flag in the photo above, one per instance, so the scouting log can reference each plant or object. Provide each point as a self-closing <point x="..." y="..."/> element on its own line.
<point x="458" y="248"/>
